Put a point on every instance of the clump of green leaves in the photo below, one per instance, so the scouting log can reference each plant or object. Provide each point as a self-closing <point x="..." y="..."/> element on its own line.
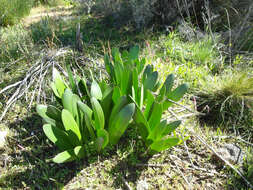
<point x="128" y="74"/>
<point x="154" y="130"/>
<point x="79" y="124"/>
<point x="99" y="113"/>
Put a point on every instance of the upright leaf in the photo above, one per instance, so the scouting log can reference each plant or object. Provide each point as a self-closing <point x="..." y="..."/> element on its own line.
<point x="151" y="81"/>
<point x="58" y="82"/>
<point x="116" y="94"/>
<point x="117" y="107"/>
<point x="102" y="139"/>
<point x="120" y="123"/>
<point x="98" y="114"/>
<point x="71" y="127"/>
<point x="155" y="115"/>
<point x="95" y="90"/>
<point x="67" y="100"/>
<point x="71" y="79"/>
<point x="156" y="133"/>
<point x="107" y="103"/>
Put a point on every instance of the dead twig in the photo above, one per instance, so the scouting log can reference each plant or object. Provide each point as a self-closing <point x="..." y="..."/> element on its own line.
<point x="126" y="184"/>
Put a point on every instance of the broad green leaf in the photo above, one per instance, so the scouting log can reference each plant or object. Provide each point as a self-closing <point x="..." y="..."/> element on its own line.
<point x="156" y="115"/>
<point x="170" y="128"/>
<point x="71" y="79"/>
<point x="156" y="133"/>
<point x="140" y="65"/>
<point x="141" y="97"/>
<point x="117" y="107"/>
<point x="116" y="94"/>
<point x="104" y="86"/>
<point x="90" y="127"/>
<point x="54" y="113"/>
<point x="88" y="118"/>
<point x="149" y="102"/>
<point x="119" y="70"/>
<point x="147" y="71"/>
<point x="57" y="136"/>
<point x="59" y="82"/>
<point x="175" y="95"/>
<point x="67" y="100"/>
<point x="69" y="155"/>
<point x="96" y="91"/>
<point x="169" y="83"/>
<point x="134" y="53"/>
<point x="85" y="89"/>
<point x="102" y="139"/>
<point x="41" y="110"/>
<point x="161" y="96"/>
<point x="162" y="145"/>
<point x="116" y="56"/>
<point x="84" y="108"/>
<point x="126" y="80"/>
<point x="98" y="114"/>
<point x="107" y="103"/>
<point x="79" y="152"/>
<point x="71" y="127"/>
<point x="65" y="156"/>
<point x="178" y="93"/>
<point x="135" y="82"/>
<point x="125" y="55"/>
<point x="52" y="84"/>
<point x="75" y="111"/>
<point x="151" y="81"/>
<point x="120" y="123"/>
<point x="157" y="85"/>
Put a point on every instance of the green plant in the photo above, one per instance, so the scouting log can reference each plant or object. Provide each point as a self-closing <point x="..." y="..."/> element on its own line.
<point x="79" y="124"/>
<point x="128" y="77"/>
<point x="148" y="119"/>
<point x="15" y="42"/>
<point x="227" y="99"/>
<point x="11" y="11"/>
<point x="101" y="112"/>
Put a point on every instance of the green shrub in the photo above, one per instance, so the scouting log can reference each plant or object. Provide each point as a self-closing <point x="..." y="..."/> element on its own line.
<point x="15" y="41"/>
<point x="11" y="11"/>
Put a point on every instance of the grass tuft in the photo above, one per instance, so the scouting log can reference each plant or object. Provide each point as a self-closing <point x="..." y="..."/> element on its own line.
<point x="227" y="99"/>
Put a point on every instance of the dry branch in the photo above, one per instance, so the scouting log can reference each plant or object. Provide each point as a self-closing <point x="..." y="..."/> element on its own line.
<point x="34" y="76"/>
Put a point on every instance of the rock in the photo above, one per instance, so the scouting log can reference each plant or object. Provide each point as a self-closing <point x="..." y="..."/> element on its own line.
<point x="231" y="153"/>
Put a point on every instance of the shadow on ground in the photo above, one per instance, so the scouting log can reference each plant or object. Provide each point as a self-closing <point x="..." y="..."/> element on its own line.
<point x="25" y="164"/>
